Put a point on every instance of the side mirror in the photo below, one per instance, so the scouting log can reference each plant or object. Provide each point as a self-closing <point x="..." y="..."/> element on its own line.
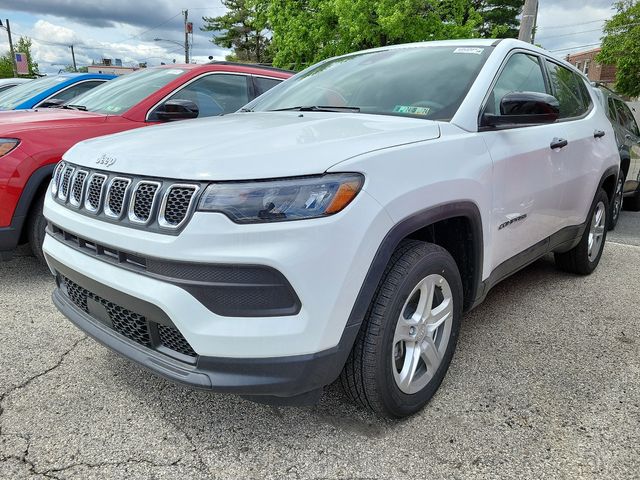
<point x="177" y="110"/>
<point x="523" y="108"/>
<point x="52" y="103"/>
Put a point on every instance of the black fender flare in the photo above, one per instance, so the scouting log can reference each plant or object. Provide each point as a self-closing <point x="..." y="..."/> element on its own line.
<point x="612" y="171"/>
<point x="12" y="235"/>
<point x="392" y="239"/>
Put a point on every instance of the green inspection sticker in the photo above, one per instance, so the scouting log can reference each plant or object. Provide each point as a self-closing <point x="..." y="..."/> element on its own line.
<point x="411" y="110"/>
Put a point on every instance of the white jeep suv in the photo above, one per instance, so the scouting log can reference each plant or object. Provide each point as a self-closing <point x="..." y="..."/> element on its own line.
<point x="339" y="225"/>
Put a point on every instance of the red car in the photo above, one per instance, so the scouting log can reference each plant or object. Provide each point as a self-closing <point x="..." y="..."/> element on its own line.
<point x="31" y="142"/>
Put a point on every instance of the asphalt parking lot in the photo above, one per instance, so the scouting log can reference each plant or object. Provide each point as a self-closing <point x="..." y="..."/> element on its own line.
<point x="545" y="384"/>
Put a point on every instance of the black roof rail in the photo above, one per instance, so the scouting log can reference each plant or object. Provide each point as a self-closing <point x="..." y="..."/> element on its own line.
<point x="254" y="65"/>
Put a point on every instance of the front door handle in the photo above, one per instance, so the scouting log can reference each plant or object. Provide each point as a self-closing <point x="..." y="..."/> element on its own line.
<point x="598" y="134"/>
<point x="558" y="143"/>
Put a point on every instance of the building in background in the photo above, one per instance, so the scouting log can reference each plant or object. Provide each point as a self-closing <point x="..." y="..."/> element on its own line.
<point x="107" y="66"/>
<point x="586" y="63"/>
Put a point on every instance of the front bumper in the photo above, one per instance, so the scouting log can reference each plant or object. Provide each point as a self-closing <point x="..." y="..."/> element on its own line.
<point x="277" y="377"/>
<point x="284" y="355"/>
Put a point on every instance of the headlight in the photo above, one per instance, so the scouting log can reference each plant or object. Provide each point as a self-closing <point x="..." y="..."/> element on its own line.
<point x="7" y="144"/>
<point x="284" y="199"/>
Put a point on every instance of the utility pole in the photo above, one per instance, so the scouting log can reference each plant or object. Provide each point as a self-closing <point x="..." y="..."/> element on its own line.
<point x="11" y="52"/>
<point x="73" y="56"/>
<point x="535" y="25"/>
<point x="186" y="36"/>
<point x="528" y="20"/>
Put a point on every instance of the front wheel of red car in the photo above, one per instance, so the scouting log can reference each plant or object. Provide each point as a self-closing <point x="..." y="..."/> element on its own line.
<point x="36" y="225"/>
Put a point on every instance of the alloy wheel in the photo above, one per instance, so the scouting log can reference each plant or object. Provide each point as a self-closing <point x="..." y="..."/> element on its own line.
<point x="422" y="334"/>
<point x="596" y="231"/>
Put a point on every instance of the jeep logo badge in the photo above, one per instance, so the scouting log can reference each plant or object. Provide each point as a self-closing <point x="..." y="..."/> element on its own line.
<point x="105" y="160"/>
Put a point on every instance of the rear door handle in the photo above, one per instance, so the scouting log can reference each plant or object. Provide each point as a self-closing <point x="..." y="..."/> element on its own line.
<point x="558" y="143"/>
<point x="598" y="134"/>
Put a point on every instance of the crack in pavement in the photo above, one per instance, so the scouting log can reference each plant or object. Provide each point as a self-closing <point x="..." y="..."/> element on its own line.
<point x="24" y="457"/>
<point x="50" y="473"/>
<point x="120" y="463"/>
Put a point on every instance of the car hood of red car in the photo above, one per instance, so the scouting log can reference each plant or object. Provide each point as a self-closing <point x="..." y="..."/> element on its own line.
<point x="15" y="121"/>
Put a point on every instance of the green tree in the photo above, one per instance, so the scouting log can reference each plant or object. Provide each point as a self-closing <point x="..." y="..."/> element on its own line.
<point x="499" y="17"/>
<point x="306" y="31"/>
<point x="621" y="46"/>
<point x="23" y="45"/>
<point x="244" y="29"/>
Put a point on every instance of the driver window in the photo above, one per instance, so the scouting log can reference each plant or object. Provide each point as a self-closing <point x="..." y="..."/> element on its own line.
<point x="216" y="94"/>
<point x="522" y="73"/>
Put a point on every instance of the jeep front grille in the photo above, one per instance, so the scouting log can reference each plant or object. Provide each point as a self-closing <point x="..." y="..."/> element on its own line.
<point x="161" y="205"/>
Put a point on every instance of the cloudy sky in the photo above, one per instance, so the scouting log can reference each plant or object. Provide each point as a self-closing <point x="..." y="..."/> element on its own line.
<point x="126" y="29"/>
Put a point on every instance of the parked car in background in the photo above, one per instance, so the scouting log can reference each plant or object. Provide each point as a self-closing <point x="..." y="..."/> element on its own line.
<point x="7" y="83"/>
<point x="628" y="139"/>
<point x="340" y="226"/>
<point x="50" y="91"/>
<point x="31" y="142"/>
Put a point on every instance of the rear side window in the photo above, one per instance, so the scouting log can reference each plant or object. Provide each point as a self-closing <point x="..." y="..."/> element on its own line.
<point x="263" y="84"/>
<point x="612" y="110"/>
<point x="522" y="73"/>
<point x="570" y="90"/>
<point x="625" y="117"/>
<point x="76" y="90"/>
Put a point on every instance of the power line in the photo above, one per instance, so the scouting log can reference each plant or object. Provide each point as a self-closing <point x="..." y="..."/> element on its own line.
<point x="150" y="29"/>
<point x="573" y="24"/>
<point x="569" y="34"/>
<point x="573" y="48"/>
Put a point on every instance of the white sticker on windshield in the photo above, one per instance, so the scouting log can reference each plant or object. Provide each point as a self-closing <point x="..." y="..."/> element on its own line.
<point x="476" y="51"/>
<point x="174" y="72"/>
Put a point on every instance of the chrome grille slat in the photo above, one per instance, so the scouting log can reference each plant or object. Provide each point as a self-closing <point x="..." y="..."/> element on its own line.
<point x="143" y="200"/>
<point x="56" y="178"/>
<point x="176" y="204"/>
<point x="95" y="191"/>
<point x="77" y="188"/>
<point x="65" y="183"/>
<point x="116" y="196"/>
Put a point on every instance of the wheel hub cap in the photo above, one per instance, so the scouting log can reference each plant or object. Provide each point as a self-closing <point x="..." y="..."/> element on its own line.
<point x="422" y="334"/>
<point x="596" y="231"/>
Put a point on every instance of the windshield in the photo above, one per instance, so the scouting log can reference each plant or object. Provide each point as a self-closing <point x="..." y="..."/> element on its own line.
<point x="23" y="92"/>
<point x="420" y="82"/>
<point x="119" y="95"/>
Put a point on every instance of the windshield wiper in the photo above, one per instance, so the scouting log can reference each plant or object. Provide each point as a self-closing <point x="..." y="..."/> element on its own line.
<point x="77" y="107"/>
<point x="319" y="108"/>
<point x="245" y="110"/>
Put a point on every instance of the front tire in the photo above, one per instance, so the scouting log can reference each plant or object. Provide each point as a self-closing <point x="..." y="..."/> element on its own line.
<point x="36" y="225"/>
<point x="584" y="257"/>
<point x="616" y="205"/>
<point x="408" y="337"/>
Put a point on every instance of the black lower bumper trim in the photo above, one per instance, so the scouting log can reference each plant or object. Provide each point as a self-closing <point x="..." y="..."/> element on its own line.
<point x="277" y="376"/>
<point x="10" y="236"/>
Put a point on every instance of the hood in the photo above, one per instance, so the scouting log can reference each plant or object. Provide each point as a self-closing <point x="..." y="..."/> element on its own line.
<point x="13" y="121"/>
<point x="250" y="145"/>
